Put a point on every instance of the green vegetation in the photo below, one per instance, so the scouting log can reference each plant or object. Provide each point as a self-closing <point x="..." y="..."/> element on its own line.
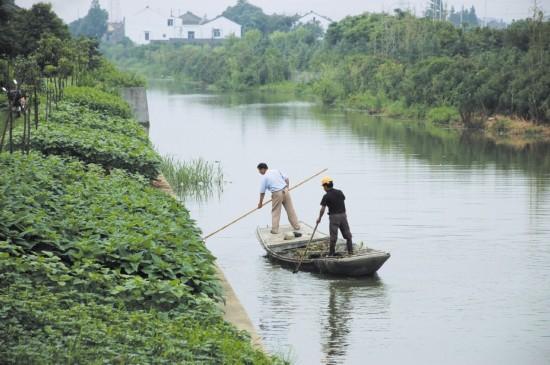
<point x="442" y="115"/>
<point x="98" y="100"/>
<point x="93" y="25"/>
<point x="100" y="268"/>
<point x="196" y="178"/>
<point x="253" y="17"/>
<point x="96" y="265"/>
<point x="79" y="129"/>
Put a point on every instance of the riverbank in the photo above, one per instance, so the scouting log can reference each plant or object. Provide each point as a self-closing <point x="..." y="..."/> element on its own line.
<point x="511" y="131"/>
<point x="233" y="310"/>
<point x="96" y="264"/>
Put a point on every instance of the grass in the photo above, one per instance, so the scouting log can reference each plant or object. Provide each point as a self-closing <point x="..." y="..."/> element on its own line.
<point x="197" y="179"/>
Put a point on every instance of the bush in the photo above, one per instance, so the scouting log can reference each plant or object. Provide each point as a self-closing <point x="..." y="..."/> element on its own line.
<point x="502" y="126"/>
<point x="116" y="221"/>
<point x="367" y="101"/>
<point x="329" y="90"/>
<point x="74" y="114"/>
<point x="91" y="145"/>
<point x="95" y="137"/>
<point x="98" y="100"/>
<point x="443" y="115"/>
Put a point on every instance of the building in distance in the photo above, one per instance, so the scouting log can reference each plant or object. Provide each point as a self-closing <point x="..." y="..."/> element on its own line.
<point x="149" y="25"/>
<point x="314" y="18"/>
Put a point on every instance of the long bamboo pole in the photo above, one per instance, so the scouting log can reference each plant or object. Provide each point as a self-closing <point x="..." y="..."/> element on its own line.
<point x="255" y="209"/>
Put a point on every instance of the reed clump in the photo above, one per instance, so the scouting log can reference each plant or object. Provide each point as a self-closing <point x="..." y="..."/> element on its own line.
<point x="198" y="179"/>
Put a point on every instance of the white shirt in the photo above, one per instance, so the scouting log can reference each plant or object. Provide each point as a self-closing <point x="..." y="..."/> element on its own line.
<point x="272" y="180"/>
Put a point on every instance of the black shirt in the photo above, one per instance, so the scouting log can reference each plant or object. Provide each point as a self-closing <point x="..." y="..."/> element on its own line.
<point x="334" y="200"/>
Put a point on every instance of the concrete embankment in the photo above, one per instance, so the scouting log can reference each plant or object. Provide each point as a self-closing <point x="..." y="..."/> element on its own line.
<point x="137" y="98"/>
<point x="233" y="310"/>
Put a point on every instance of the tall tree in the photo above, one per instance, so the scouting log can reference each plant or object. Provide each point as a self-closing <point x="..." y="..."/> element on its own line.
<point x="93" y="25"/>
<point x="252" y="17"/>
<point x="36" y="23"/>
<point x="436" y="10"/>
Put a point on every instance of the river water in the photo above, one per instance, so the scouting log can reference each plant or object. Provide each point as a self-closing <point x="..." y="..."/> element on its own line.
<point x="467" y="224"/>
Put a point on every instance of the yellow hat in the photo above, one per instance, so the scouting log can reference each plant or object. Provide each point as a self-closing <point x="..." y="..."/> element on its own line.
<point x="326" y="180"/>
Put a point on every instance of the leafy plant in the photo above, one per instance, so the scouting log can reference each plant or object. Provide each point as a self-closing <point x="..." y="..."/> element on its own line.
<point x="443" y="115"/>
<point x="98" y="100"/>
<point x="74" y="114"/>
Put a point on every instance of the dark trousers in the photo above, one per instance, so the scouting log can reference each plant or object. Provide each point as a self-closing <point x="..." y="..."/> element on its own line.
<point x="339" y="222"/>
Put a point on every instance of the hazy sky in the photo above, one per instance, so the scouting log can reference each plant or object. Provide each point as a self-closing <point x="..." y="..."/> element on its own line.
<point x="336" y="9"/>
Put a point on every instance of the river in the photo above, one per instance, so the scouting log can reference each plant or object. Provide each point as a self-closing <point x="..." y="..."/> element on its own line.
<point x="467" y="224"/>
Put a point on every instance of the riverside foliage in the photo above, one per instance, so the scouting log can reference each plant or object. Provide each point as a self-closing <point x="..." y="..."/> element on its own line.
<point x="78" y="128"/>
<point x="97" y="266"/>
<point x="102" y="268"/>
<point x="379" y="62"/>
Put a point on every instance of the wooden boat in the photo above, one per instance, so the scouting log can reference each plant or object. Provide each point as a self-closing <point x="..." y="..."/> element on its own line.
<point x="287" y="249"/>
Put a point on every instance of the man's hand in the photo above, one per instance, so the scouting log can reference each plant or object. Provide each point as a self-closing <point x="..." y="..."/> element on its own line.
<point x="318" y="220"/>
<point x="261" y="203"/>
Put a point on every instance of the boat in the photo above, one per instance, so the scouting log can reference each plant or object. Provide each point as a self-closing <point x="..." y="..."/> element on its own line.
<point x="288" y="248"/>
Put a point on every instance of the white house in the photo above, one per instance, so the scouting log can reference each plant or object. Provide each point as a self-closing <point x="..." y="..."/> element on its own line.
<point x="221" y="28"/>
<point x="313" y="17"/>
<point x="149" y="25"/>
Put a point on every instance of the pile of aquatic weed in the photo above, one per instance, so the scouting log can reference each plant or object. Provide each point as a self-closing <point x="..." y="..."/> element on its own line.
<point x="102" y="268"/>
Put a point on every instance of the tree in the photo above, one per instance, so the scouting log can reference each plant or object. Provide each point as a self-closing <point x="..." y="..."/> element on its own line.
<point x="36" y="23"/>
<point x="252" y="17"/>
<point x="93" y="25"/>
<point x="435" y="10"/>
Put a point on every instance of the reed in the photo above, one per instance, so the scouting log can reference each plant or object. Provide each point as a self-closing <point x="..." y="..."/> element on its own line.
<point x="197" y="179"/>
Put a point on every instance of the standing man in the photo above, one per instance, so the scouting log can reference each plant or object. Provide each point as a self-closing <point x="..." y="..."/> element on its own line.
<point x="277" y="183"/>
<point x="334" y="200"/>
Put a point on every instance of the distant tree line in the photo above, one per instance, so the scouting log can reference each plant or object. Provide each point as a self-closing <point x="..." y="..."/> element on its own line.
<point x="379" y="62"/>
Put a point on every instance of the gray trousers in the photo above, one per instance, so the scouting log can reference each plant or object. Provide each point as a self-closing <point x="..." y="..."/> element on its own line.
<point x="339" y="222"/>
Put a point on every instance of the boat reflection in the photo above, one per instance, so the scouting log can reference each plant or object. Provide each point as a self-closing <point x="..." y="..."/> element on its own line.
<point x="340" y="302"/>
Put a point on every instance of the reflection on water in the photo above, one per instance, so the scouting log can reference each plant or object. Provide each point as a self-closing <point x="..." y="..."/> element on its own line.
<point x="346" y="298"/>
<point x="466" y="222"/>
<point x="437" y="145"/>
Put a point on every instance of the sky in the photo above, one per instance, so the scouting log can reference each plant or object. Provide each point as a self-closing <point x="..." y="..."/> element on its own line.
<point x="508" y="10"/>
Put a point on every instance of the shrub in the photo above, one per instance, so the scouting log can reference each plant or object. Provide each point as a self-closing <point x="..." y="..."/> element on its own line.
<point x="443" y="115"/>
<point x="96" y="137"/>
<point x="502" y="126"/>
<point x="115" y="221"/>
<point x="98" y="100"/>
<point x="67" y="113"/>
<point x="91" y="145"/>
